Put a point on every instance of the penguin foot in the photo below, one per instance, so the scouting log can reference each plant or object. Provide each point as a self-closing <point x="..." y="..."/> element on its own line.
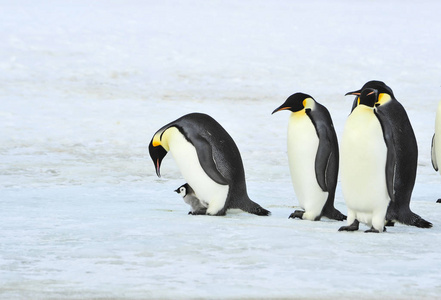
<point x="353" y="227"/>
<point x="198" y="212"/>
<point x="390" y="223"/>
<point x="374" y="230"/>
<point x="438" y="201"/>
<point x="296" y="214"/>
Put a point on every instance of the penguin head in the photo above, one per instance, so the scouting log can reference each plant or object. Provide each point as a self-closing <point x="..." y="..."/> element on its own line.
<point x="158" y="150"/>
<point x="182" y="190"/>
<point x="297" y="102"/>
<point x="385" y="93"/>
<point x="368" y="97"/>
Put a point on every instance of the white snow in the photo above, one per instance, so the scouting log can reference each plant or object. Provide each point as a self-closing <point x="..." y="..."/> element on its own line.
<point x="84" y="86"/>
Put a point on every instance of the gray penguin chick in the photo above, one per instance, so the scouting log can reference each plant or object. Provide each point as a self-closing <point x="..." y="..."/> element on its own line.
<point x="197" y="206"/>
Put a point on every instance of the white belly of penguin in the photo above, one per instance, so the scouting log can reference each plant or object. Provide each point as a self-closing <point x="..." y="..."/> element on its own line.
<point x="205" y="188"/>
<point x="363" y="163"/>
<point x="302" y="149"/>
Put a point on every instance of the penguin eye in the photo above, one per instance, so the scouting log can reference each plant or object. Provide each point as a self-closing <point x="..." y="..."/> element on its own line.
<point x="182" y="190"/>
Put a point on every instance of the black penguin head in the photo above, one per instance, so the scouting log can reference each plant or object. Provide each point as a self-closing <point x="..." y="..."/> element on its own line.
<point x="157" y="153"/>
<point x="294" y="103"/>
<point x="368" y="97"/>
<point x="182" y="190"/>
<point x="380" y="86"/>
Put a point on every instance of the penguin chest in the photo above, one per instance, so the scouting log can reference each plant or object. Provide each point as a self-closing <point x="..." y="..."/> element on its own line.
<point x="206" y="190"/>
<point x="303" y="143"/>
<point x="363" y="163"/>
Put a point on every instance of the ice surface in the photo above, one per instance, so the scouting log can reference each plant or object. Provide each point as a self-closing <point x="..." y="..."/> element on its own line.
<point x="85" y="84"/>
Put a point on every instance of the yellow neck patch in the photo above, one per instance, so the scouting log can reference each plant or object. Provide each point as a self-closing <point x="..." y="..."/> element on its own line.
<point x="309" y="103"/>
<point x="162" y="138"/>
<point x="383" y="98"/>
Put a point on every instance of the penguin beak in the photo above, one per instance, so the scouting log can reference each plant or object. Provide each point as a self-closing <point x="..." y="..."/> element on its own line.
<point x="157" y="154"/>
<point x="355" y="93"/>
<point x="282" y="107"/>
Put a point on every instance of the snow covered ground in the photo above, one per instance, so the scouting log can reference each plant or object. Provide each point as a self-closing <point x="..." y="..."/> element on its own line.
<point x="85" y="84"/>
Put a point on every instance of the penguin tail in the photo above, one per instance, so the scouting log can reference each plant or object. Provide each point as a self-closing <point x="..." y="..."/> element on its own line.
<point x="253" y="208"/>
<point x="420" y="222"/>
<point x="412" y="219"/>
<point x="334" y="214"/>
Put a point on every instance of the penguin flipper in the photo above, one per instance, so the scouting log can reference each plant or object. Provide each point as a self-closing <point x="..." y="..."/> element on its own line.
<point x="324" y="150"/>
<point x="321" y="163"/>
<point x="205" y="156"/>
<point x="391" y="155"/>
<point x="434" y="162"/>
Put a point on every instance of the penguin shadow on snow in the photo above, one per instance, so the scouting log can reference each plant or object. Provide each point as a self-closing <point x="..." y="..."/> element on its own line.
<point x="313" y="157"/>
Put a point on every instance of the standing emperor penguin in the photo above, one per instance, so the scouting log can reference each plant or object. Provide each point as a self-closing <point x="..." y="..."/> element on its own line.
<point x="436" y="143"/>
<point x="367" y="165"/>
<point x="208" y="159"/>
<point x="313" y="157"/>
<point x="406" y="154"/>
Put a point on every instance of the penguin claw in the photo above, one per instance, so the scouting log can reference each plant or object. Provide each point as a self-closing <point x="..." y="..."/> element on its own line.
<point x="296" y="214"/>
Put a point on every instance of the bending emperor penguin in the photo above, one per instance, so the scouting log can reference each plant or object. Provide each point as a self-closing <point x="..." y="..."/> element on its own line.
<point x="367" y="165"/>
<point x="208" y="159"/>
<point x="436" y="143"/>
<point x="313" y="157"/>
<point x="187" y="193"/>
<point x="406" y="154"/>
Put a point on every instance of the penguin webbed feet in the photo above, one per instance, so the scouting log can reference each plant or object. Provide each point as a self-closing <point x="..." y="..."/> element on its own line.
<point x="198" y="212"/>
<point x="438" y="201"/>
<point x="375" y="230"/>
<point x="353" y="227"/>
<point x="297" y="214"/>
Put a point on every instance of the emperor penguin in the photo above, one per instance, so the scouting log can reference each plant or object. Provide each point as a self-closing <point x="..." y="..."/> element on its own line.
<point x="209" y="161"/>
<point x="313" y="157"/>
<point x="187" y="193"/>
<point x="367" y="165"/>
<point x="406" y="154"/>
<point x="436" y="143"/>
